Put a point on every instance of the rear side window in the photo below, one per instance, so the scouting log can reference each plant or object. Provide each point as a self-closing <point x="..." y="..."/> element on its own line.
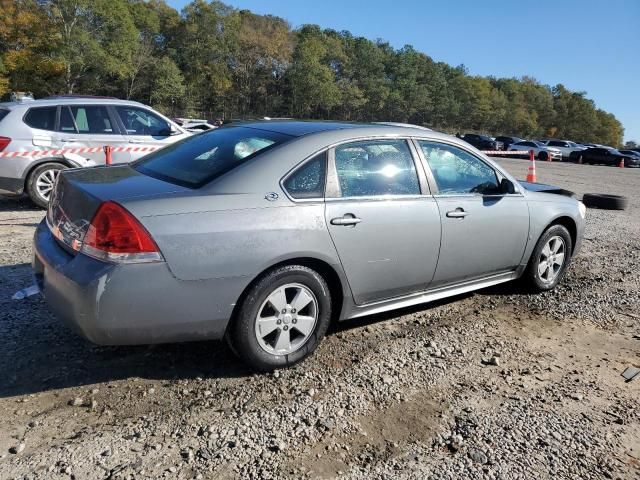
<point x="43" y="118"/>
<point x="376" y="167"/>
<point x="66" y="121"/>
<point x="199" y="159"/>
<point x="3" y="113"/>
<point x="308" y="180"/>
<point x="92" y="119"/>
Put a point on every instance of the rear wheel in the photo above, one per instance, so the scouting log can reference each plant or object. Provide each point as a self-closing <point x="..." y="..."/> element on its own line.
<point x="282" y="319"/>
<point x="41" y="182"/>
<point x="550" y="259"/>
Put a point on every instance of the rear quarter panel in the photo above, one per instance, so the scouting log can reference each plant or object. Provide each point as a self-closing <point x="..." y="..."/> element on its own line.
<point x="240" y="240"/>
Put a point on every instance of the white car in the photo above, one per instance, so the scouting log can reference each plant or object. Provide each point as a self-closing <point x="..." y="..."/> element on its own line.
<point x="540" y="150"/>
<point x="195" y="125"/>
<point x="565" y="146"/>
<point x="38" y="138"/>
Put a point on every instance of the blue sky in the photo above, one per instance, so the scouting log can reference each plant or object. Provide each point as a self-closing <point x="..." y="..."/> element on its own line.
<point x="587" y="45"/>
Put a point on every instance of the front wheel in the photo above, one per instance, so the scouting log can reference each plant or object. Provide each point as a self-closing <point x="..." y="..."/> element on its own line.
<point x="550" y="259"/>
<point x="282" y="318"/>
<point x="41" y="182"/>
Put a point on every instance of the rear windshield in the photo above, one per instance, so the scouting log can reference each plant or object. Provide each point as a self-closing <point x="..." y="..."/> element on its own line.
<point x="199" y="159"/>
<point x="3" y="113"/>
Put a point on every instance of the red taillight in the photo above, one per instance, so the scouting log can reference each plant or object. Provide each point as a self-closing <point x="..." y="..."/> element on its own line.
<point x="4" y="141"/>
<point x="115" y="235"/>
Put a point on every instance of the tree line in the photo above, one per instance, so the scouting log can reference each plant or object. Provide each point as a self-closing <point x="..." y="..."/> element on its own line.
<point x="216" y="61"/>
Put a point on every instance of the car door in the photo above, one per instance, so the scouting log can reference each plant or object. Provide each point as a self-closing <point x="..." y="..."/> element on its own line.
<point x="145" y="130"/>
<point x="484" y="231"/>
<point x="90" y="126"/>
<point x="383" y="220"/>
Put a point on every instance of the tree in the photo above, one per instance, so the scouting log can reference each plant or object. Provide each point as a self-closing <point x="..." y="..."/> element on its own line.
<point x="167" y="87"/>
<point x="314" y="90"/>
<point x="213" y="60"/>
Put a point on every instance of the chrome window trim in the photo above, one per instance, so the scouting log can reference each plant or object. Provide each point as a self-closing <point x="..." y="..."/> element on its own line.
<point x="379" y="198"/>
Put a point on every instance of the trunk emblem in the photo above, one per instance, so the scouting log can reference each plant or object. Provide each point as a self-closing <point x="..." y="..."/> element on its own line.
<point x="271" y="196"/>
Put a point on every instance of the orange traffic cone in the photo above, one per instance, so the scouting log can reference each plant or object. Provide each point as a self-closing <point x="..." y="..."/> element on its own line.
<point x="621" y="164"/>
<point x="531" y="174"/>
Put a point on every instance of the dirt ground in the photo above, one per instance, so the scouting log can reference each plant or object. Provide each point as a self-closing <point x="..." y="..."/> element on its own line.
<point x="495" y="384"/>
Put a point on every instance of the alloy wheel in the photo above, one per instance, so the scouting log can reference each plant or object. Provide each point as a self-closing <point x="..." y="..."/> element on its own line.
<point x="552" y="258"/>
<point x="45" y="183"/>
<point x="286" y="319"/>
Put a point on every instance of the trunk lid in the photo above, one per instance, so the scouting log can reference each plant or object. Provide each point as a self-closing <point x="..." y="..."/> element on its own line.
<point x="79" y="193"/>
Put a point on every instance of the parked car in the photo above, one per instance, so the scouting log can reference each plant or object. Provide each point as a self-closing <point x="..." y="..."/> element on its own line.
<point x="540" y="150"/>
<point x="605" y="156"/>
<point x="194" y="125"/>
<point x="262" y="233"/>
<point x="506" y="141"/>
<point x="482" y="142"/>
<point x="68" y="122"/>
<point x="630" y="153"/>
<point x="566" y="147"/>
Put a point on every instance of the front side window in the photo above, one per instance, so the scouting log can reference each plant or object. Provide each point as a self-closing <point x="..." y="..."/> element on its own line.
<point x="138" y="121"/>
<point x="43" y="118"/>
<point x="376" y="167"/>
<point x="199" y="159"/>
<point x="457" y="171"/>
<point x="309" y="179"/>
<point x="92" y="119"/>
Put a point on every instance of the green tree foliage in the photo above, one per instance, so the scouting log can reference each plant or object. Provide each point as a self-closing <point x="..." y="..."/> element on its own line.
<point x="212" y="60"/>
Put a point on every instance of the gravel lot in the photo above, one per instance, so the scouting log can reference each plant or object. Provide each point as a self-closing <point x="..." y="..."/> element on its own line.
<point x="495" y="385"/>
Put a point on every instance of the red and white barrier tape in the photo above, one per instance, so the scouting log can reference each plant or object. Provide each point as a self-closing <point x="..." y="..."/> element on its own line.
<point x="505" y="152"/>
<point x="61" y="151"/>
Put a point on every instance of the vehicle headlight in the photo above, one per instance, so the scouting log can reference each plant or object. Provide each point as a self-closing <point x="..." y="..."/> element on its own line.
<point x="583" y="210"/>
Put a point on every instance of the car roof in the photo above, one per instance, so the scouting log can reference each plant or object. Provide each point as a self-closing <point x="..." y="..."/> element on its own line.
<point x="62" y="100"/>
<point x="299" y="128"/>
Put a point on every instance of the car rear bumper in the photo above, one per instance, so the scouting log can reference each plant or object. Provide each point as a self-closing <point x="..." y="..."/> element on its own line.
<point x="130" y="304"/>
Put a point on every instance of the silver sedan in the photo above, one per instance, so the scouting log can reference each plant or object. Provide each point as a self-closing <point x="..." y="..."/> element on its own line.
<point x="263" y="233"/>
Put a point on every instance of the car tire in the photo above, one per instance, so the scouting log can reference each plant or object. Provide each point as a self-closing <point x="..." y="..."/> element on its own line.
<point x="266" y="338"/>
<point x="543" y="156"/>
<point x="605" y="201"/>
<point x="544" y="271"/>
<point x="41" y="181"/>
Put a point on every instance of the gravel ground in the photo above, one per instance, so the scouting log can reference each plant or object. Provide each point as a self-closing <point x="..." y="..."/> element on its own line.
<point x="494" y="385"/>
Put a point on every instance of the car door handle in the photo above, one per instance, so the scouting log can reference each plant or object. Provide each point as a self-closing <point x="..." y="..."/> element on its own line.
<point x="457" y="213"/>
<point x="68" y="140"/>
<point x="137" y="141"/>
<point x="346" y="220"/>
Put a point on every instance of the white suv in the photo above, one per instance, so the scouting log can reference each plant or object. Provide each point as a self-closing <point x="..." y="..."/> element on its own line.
<point x="56" y="125"/>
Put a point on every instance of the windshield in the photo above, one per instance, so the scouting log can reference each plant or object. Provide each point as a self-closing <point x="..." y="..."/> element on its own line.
<point x="3" y="113"/>
<point x="202" y="158"/>
<point x="539" y="144"/>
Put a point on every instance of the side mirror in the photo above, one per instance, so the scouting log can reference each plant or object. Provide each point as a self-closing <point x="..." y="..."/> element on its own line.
<point x="168" y="131"/>
<point x="507" y="186"/>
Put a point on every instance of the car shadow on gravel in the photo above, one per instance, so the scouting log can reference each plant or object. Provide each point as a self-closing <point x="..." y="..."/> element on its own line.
<point x="39" y="353"/>
<point x="20" y="203"/>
